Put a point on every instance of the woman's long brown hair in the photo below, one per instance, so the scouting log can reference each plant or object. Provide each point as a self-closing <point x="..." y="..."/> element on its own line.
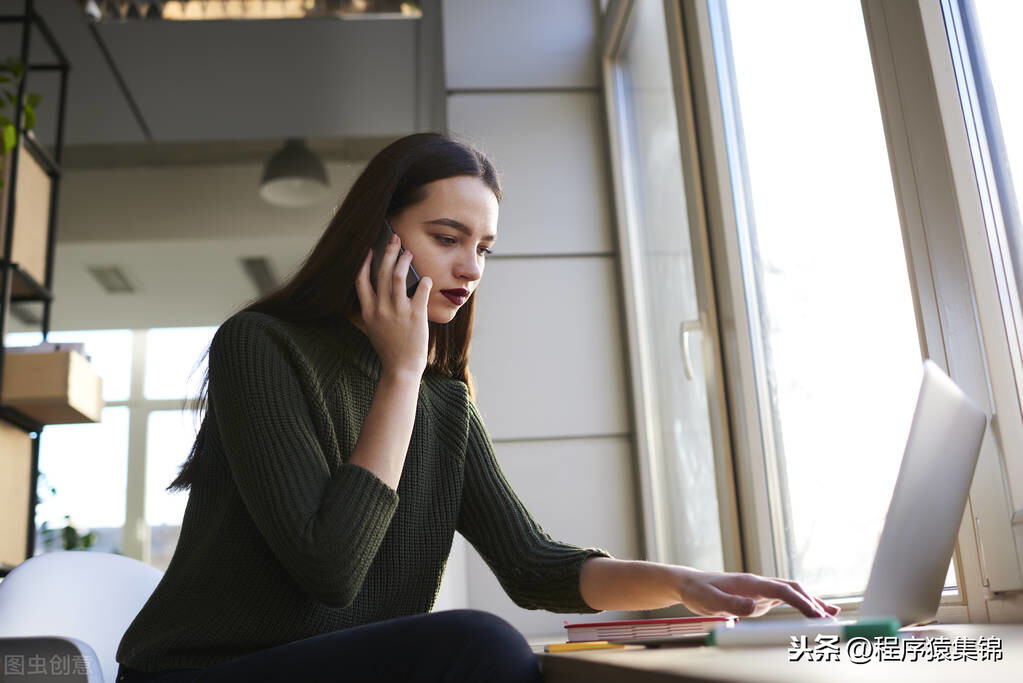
<point x="323" y="289"/>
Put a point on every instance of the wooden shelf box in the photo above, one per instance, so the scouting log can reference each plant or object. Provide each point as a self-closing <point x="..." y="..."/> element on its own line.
<point x="15" y="488"/>
<point x="31" y="213"/>
<point x="52" y="387"/>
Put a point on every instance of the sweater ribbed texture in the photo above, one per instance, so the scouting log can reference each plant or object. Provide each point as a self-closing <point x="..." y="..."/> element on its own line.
<point x="282" y="539"/>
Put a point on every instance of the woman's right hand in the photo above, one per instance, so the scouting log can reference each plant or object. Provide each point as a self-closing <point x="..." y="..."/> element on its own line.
<point x="398" y="326"/>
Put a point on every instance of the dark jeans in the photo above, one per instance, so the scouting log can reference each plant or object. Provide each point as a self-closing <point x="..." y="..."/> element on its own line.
<point x="454" y="646"/>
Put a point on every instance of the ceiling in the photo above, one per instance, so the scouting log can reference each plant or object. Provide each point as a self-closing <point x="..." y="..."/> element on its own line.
<point x="139" y="82"/>
<point x="168" y="125"/>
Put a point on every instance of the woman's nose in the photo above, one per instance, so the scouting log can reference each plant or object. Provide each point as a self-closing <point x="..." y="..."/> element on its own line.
<point x="468" y="269"/>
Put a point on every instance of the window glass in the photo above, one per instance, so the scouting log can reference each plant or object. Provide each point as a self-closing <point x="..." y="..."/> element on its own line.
<point x="997" y="27"/>
<point x="83" y="475"/>
<point x="836" y="350"/>
<point x="1000" y="21"/>
<point x="175" y="361"/>
<point x="169" y="439"/>
<point x="680" y="432"/>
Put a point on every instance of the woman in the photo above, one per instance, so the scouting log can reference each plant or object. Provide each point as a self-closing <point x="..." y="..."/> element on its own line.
<point x="340" y="451"/>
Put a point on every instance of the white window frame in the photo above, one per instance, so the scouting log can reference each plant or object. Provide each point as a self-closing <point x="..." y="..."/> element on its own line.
<point x="954" y="282"/>
<point x="617" y="16"/>
<point x="958" y="313"/>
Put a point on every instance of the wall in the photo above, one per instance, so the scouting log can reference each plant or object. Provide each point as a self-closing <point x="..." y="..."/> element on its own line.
<point x="548" y="351"/>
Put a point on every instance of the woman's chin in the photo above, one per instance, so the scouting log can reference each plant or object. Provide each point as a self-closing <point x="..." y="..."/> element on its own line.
<point x="441" y="317"/>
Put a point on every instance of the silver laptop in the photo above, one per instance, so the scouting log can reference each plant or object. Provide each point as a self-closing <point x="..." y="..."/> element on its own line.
<point x="927" y="506"/>
<point x="920" y="529"/>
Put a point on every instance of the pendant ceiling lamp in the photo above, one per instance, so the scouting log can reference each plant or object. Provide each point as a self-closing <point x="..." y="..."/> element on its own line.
<point x="294" y="177"/>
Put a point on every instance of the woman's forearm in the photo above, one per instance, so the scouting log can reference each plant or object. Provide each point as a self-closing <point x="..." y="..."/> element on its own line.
<point x="387" y="427"/>
<point x="623" y="585"/>
<point x="628" y="585"/>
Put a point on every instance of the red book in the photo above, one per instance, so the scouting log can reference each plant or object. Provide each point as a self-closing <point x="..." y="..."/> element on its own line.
<point x="644" y="628"/>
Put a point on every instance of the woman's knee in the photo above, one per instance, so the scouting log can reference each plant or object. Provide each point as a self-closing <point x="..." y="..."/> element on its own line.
<point x="479" y="624"/>
<point x="500" y="653"/>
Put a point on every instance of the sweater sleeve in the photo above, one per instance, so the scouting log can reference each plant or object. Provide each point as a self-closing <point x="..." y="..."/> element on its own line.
<point x="325" y="530"/>
<point x="535" y="571"/>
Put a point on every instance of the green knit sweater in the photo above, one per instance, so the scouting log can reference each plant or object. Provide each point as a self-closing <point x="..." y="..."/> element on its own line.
<point x="282" y="539"/>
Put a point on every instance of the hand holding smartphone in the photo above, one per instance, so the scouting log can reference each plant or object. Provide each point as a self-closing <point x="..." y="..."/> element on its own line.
<point x="383" y="237"/>
<point x="396" y="326"/>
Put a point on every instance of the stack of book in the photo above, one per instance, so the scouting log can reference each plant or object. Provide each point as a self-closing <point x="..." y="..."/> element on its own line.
<point x="644" y="629"/>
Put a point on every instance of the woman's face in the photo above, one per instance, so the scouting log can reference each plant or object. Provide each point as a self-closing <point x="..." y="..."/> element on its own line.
<point x="450" y="234"/>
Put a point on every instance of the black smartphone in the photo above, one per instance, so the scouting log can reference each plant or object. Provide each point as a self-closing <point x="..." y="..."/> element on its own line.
<point x="383" y="238"/>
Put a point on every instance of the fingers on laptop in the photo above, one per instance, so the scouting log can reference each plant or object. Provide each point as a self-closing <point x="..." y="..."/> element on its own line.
<point x="704" y="597"/>
<point x="829" y="609"/>
<point x="777" y="589"/>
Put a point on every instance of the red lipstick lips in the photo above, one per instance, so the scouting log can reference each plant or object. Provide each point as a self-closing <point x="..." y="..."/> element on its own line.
<point x="456" y="296"/>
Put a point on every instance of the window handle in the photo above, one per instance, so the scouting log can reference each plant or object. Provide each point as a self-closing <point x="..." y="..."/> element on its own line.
<point x="685" y="333"/>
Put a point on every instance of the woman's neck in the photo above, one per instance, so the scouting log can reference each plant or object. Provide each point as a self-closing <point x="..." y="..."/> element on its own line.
<point x="355" y="318"/>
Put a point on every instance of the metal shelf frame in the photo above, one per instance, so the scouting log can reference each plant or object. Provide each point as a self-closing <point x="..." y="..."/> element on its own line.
<point x="15" y="284"/>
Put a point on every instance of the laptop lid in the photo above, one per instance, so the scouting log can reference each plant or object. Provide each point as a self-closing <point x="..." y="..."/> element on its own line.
<point x="927" y="506"/>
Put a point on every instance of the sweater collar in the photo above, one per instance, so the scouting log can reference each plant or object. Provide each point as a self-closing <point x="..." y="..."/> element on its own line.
<point x="359" y="348"/>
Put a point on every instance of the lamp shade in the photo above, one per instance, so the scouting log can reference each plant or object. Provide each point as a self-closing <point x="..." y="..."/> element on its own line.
<point x="294" y="177"/>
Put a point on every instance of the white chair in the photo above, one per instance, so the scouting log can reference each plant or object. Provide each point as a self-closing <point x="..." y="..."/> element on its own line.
<point x="80" y="601"/>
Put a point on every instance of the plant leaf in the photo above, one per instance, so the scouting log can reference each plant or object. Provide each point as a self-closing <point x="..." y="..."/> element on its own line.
<point x="30" y="118"/>
<point x="8" y="135"/>
<point x="32" y="99"/>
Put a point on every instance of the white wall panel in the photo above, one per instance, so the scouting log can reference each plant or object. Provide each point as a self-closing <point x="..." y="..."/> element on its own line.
<point x="547" y="349"/>
<point x="549" y="148"/>
<point x="520" y="44"/>
<point x="581" y="492"/>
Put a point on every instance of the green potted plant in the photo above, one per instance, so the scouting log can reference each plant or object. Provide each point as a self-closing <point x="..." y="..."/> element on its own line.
<point x="11" y="73"/>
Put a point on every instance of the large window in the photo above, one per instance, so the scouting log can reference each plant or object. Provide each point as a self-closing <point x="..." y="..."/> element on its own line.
<point x="109" y="478"/>
<point x="819" y="152"/>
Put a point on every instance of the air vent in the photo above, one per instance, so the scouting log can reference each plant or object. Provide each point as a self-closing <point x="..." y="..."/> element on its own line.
<point x="112" y="279"/>
<point x="261" y="273"/>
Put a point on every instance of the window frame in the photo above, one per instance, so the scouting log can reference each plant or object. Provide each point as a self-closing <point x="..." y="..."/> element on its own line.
<point x="942" y="256"/>
<point x="958" y="314"/>
<point x="616" y="25"/>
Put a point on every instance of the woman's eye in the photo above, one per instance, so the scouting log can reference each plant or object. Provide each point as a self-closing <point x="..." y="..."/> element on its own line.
<point x="449" y="241"/>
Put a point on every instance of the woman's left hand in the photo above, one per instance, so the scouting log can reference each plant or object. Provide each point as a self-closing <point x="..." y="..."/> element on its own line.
<point x="745" y="595"/>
